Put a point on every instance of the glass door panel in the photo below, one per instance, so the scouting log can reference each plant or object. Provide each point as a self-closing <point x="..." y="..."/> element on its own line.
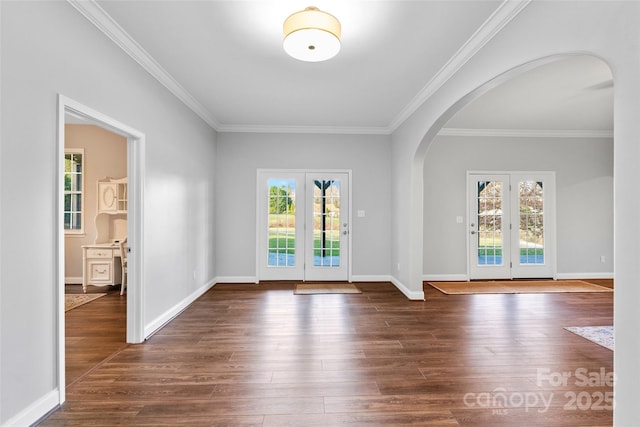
<point x="326" y="223"/>
<point x="282" y="223"/>
<point x="533" y="225"/>
<point x="488" y="216"/>
<point x="280" y="254"/>
<point x="328" y="235"/>
<point x="531" y="222"/>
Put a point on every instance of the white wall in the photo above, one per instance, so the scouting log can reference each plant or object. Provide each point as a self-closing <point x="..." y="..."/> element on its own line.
<point x="584" y="197"/>
<point x="609" y="30"/>
<point x="239" y="155"/>
<point x="49" y="48"/>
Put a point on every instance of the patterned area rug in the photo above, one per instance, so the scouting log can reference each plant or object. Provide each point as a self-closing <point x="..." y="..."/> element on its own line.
<point x="325" y="288"/>
<point x="602" y="335"/>
<point x="72" y="301"/>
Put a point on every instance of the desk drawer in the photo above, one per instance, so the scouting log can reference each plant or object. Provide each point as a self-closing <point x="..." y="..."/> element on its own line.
<point x="100" y="271"/>
<point x="99" y="253"/>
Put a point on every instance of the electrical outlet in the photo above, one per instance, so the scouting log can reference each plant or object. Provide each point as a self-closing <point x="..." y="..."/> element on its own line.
<point x="194" y="275"/>
<point x="603" y="258"/>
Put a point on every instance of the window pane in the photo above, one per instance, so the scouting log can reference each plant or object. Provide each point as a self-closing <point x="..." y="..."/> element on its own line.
<point x="282" y="223"/>
<point x="73" y="191"/>
<point x="326" y="223"/>
<point x="531" y="222"/>
<point x="489" y="197"/>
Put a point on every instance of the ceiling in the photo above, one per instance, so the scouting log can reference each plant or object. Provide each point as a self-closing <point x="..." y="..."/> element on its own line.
<point x="225" y="60"/>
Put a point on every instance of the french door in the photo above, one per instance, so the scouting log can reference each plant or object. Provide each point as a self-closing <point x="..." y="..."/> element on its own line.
<point x="511" y="225"/>
<point x="303" y="225"/>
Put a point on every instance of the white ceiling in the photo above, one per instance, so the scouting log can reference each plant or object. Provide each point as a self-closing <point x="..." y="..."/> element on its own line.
<point x="225" y="60"/>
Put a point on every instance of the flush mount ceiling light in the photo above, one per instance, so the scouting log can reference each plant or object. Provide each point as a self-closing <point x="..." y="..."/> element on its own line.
<point x="312" y="35"/>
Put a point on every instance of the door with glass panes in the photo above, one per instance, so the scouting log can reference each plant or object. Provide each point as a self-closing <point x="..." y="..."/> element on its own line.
<point x="303" y="225"/>
<point x="511" y="225"/>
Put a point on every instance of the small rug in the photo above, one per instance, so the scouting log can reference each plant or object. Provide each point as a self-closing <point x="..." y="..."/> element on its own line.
<point x="325" y="288"/>
<point x="72" y="301"/>
<point x="517" y="287"/>
<point x="602" y="335"/>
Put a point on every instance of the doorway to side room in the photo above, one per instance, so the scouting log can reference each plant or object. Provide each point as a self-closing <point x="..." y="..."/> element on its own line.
<point x="129" y="221"/>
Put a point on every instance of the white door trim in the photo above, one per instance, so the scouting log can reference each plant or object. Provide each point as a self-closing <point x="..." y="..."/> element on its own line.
<point x="135" y="175"/>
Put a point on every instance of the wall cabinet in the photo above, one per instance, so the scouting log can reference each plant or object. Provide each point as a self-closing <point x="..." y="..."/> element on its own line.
<point x="112" y="195"/>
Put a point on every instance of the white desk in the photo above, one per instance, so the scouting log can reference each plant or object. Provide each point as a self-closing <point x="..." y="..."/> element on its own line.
<point x="101" y="265"/>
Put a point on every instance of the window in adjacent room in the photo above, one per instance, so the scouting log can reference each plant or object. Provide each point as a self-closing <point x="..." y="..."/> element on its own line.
<point x="73" y="190"/>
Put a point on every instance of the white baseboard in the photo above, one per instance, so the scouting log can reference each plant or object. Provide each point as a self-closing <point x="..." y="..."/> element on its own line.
<point x="236" y="279"/>
<point x="73" y="280"/>
<point x="370" y="278"/>
<point x="571" y="276"/>
<point x="35" y="411"/>
<point x="167" y="316"/>
<point x="445" y="278"/>
<point x="412" y="295"/>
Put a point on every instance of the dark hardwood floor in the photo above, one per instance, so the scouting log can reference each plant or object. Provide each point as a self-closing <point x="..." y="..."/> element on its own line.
<point x="257" y="355"/>
<point x="94" y="331"/>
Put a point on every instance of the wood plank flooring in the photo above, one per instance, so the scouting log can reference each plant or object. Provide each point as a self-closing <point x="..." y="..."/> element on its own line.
<point x="257" y="355"/>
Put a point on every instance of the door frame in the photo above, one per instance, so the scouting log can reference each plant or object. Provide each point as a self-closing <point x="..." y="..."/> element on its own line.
<point x="261" y="173"/>
<point x="550" y="217"/>
<point x="135" y="223"/>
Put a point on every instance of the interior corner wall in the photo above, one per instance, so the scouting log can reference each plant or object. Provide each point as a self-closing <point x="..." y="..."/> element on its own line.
<point x="584" y="197"/>
<point x="240" y="155"/>
<point x="105" y="155"/>
<point x="48" y="48"/>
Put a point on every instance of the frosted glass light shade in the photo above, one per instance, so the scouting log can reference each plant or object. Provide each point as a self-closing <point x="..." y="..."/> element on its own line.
<point x="312" y="35"/>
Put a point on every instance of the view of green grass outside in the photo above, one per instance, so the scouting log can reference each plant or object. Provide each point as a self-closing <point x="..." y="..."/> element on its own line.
<point x="282" y="235"/>
<point x="489" y="246"/>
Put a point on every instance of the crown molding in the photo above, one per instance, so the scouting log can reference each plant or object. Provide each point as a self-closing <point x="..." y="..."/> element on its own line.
<point x="337" y="130"/>
<point x="507" y="10"/>
<point x="526" y="133"/>
<point x="91" y="10"/>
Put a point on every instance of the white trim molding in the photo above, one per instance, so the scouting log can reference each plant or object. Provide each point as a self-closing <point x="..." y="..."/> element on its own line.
<point x="91" y="10"/>
<point x="445" y="278"/>
<point x="508" y="10"/>
<point x="526" y="133"/>
<point x="73" y="280"/>
<point x="34" y="412"/>
<point x="412" y="295"/>
<point x="371" y="278"/>
<point x="236" y="279"/>
<point x="578" y="276"/>
<point x="174" y="311"/>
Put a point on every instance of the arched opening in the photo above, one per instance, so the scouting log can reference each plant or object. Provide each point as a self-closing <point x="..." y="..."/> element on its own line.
<point x="556" y="117"/>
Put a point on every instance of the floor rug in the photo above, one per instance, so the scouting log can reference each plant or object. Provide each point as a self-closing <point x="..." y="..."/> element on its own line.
<point x="72" y="301"/>
<point x="325" y="288"/>
<point x="517" y="287"/>
<point x="602" y="335"/>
